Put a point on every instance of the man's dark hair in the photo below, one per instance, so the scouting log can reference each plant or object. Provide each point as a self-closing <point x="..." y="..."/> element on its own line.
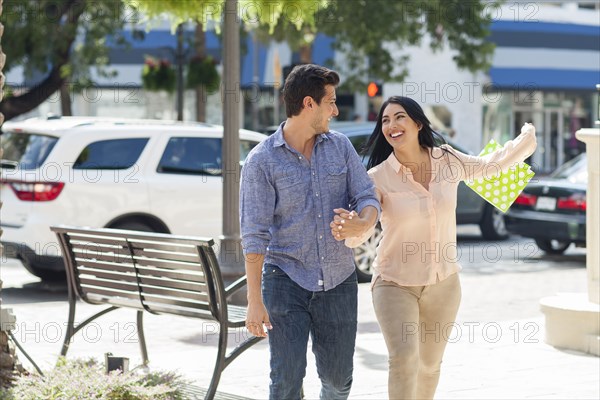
<point x="306" y="80"/>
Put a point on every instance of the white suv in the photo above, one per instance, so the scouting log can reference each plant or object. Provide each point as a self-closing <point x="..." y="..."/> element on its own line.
<point x="131" y="174"/>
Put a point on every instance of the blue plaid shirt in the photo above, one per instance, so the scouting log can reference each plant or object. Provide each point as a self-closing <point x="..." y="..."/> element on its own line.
<point x="287" y="202"/>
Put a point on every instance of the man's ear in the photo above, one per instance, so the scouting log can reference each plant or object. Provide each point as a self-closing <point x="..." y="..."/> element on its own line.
<point x="308" y="102"/>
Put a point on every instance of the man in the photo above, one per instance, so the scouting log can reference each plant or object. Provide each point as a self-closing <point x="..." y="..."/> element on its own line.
<point x="291" y="185"/>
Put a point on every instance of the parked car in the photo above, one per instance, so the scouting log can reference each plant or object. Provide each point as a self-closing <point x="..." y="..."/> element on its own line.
<point x="146" y="175"/>
<point x="552" y="210"/>
<point x="471" y="208"/>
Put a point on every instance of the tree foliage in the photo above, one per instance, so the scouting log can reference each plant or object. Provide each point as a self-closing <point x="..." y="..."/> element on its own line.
<point x="59" y="40"/>
<point x="365" y="29"/>
<point x="366" y="26"/>
<point x="252" y="12"/>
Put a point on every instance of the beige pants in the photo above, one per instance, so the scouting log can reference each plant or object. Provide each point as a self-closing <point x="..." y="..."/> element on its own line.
<point x="416" y="322"/>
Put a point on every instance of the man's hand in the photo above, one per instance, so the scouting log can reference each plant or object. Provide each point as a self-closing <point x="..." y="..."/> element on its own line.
<point x="347" y="224"/>
<point x="257" y="319"/>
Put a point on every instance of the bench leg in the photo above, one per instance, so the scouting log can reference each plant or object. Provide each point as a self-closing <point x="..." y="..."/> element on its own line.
<point x="219" y="364"/>
<point x="70" y="327"/>
<point x="140" y="330"/>
<point x="72" y="330"/>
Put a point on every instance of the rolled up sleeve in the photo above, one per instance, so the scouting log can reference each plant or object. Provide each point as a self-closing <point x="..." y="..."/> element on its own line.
<point x="257" y="203"/>
<point x="360" y="186"/>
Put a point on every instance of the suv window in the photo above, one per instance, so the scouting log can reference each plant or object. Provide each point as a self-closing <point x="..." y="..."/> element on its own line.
<point x="28" y="151"/>
<point x="196" y="156"/>
<point x="111" y="154"/>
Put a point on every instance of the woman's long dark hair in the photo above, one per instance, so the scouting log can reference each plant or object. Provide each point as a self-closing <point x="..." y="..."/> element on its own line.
<point x="378" y="147"/>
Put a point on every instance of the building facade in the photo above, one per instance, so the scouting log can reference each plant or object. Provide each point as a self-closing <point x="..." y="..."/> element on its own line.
<point x="544" y="70"/>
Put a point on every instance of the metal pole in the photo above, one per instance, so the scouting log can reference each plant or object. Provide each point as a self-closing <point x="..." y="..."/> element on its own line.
<point x="255" y="83"/>
<point x="179" y="58"/>
<point x="230" y="255"/>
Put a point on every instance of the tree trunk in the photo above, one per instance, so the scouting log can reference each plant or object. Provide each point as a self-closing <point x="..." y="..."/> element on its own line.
<point x="201" y="95"/>
<point x="65" y="100"/>
<point x="306" y="53"/>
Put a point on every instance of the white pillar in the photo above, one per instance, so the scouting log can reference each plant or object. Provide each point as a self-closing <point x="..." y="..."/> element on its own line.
<point x="573" y="319"/>
<point x="591" y="138"/>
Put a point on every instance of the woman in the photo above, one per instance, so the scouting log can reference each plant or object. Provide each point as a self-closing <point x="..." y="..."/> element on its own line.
<point x="416" y="290"/>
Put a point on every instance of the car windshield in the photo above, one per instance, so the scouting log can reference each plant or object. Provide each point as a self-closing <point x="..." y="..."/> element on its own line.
<point x="25" y="150"/>
<point x="574" y="170"/>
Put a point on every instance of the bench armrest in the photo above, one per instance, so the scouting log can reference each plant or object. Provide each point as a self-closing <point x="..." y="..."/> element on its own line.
<point x="235" y="286"/>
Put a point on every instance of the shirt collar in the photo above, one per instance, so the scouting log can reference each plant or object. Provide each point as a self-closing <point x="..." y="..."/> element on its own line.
<point x="279" y="140"/>
<point x="394" y="163"/>
<point x="397" y="166"/>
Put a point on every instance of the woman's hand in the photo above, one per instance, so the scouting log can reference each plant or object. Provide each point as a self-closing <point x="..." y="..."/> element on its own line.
<point x="347" y="224"/>
<point x="528" y="128"/>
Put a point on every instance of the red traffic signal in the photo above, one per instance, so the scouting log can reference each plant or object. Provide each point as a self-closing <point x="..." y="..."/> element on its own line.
<point x="374" y="89"/>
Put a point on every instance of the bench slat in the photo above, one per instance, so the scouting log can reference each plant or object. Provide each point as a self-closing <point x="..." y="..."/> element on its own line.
<point x="149" y="262"/>
<point x="129" y="276"/>
<point x="172" y="245"/>
<point x="147" y="290"/>
<point x="149" y="299"/>
<point x="164" y="255"/>
<point x="91" y="238"/>
<point x="185" y="275"/>
<point x="113" y="258"/>
<point x="105" y="265"/>
<point x="195" y="287"/>
<point x="99" y="247"/>
<point x="107" y="298"/>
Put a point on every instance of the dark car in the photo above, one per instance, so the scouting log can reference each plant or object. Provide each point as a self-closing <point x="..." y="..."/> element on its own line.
<point x="552" y="210"/>
<point x="471" y="208"/>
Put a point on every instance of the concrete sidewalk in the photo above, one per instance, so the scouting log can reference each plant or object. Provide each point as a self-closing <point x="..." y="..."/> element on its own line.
<point x="497" y="348"/>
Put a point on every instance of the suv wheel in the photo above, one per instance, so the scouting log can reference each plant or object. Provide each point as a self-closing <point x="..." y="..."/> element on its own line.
<point x="552" y="246"/>
<point x="492" y="224"/>
<point x="43" y="271"/>
<point x="364" y="255"/>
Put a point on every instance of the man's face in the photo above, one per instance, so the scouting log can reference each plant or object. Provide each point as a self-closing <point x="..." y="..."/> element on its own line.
<point x="325" y="111"/>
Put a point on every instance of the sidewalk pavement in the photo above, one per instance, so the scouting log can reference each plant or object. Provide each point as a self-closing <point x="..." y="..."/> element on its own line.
<point x="497" y="348"/>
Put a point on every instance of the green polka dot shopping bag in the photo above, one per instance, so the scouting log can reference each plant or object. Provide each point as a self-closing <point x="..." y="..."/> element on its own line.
<point x="501" y="189"/>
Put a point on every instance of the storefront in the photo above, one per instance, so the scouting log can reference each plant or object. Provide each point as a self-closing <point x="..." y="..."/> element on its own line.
<point x="546" y="73"/>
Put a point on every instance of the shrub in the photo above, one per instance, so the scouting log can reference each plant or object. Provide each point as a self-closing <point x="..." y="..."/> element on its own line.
<point x="203" y="71"/>
<point x="86" y="379"/>
<point x="158" y="75"/>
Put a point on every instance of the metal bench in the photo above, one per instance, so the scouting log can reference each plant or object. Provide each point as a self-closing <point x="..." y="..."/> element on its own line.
<point x="157" y="273"/>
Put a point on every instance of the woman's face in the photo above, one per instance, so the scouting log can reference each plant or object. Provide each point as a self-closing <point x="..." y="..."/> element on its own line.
<point x="399" y="129"/>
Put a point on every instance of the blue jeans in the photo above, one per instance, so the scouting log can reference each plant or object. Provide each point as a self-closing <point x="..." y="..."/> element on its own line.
<point x="329" y="317"/>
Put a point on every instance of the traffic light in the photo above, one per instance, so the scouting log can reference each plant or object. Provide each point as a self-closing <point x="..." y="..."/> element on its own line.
<point x="374" y="89"/>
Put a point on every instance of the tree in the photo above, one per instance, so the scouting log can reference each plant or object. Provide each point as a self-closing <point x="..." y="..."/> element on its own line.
<point x="59" y="39"/>
<point x="365" y="26"/>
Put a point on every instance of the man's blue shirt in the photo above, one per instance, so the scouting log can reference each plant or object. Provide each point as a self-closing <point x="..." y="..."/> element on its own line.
<point x="287" y="202"/>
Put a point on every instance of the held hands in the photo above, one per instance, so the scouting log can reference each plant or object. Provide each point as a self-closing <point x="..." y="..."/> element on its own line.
<point x="346" y="224"/>
<point x="257" y="319"/>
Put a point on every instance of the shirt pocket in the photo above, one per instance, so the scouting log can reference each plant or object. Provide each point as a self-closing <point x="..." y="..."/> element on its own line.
<point x="336" y="183"/>
<point x="292" y="184"/>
